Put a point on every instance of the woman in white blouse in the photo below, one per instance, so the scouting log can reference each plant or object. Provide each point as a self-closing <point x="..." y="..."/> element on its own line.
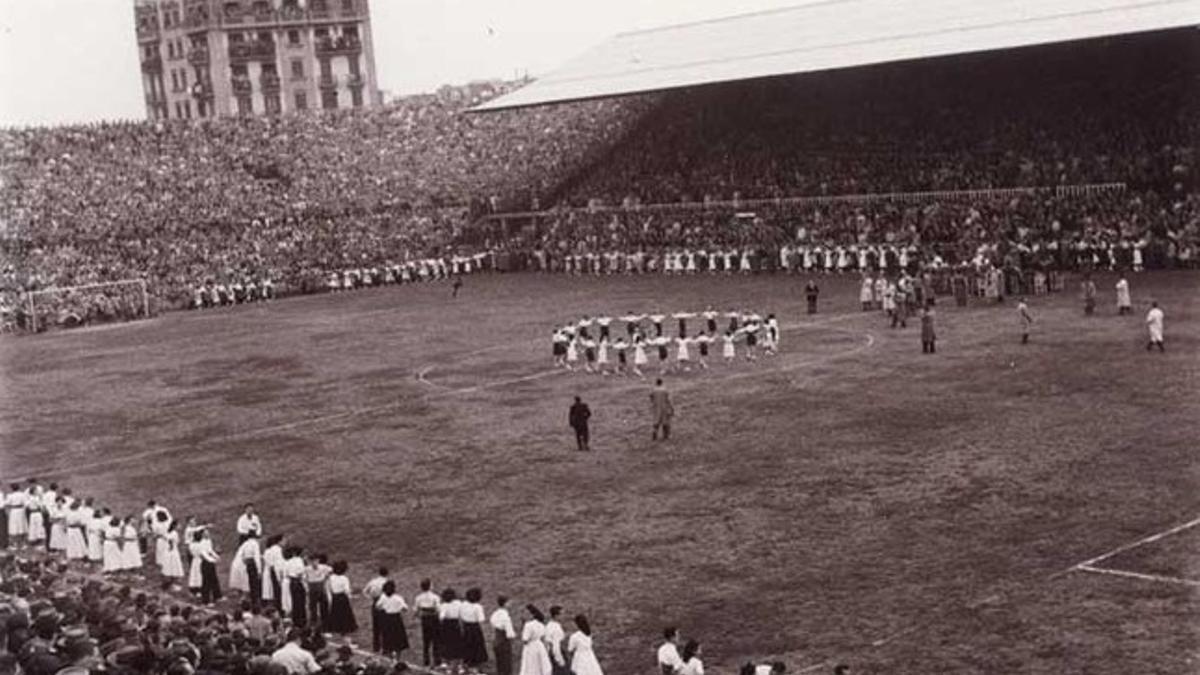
<point x="535" y="660"/>
<point x="172" y="561"/>
<point x="504" y="634"/>
<point x="393" y="638"/>
<point x="341" y="614"/>
<point x="692" y="665"/>
<point x="474" y="649"/>
<point x="579" y="646"/>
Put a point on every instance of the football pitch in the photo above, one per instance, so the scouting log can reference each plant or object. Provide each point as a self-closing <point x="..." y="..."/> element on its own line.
<point x="993" y="508"/>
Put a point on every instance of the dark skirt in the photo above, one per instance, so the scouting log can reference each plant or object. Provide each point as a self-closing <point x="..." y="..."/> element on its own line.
<point x="341" y="616"/>
<point x="474" y="648"/>
<point x="504" y="656"/>
<point x="393" y="638"/>
<point x="299" y="603"/>
<point x="450" y="639"/>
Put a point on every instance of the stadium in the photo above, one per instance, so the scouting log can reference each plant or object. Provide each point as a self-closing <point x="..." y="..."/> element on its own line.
<point x="351" y="320"/>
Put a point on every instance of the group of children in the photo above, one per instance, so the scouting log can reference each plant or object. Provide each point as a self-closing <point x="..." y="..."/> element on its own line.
<point x="589" y="343"/>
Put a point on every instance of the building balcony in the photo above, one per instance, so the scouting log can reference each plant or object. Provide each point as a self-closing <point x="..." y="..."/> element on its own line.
<point x="152" y="65"/>
<point x="198" y="57"/>
<point x="241" y="85"/>
<point x="327" y="82"/>
<point x="148" y="33"/>
<point x="269" y="82"/>
<point x="197" y="20"/>
<point x="202" y="90"/>
<point x="340" y="45"/>
<point x="251" y="51"/>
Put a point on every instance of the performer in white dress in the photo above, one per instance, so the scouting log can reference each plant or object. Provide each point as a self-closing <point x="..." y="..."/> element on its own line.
<point x="35" y="508"/>
<point x="579" y="646"/>
<point x="728" y="351"/>
<point x="867" y="293"/>
<point x="171" y="562"/>
<point x="58" y="524"/>
<point x="639" y="354"/>
<point x="94" y="525"/>
<point x="535" y="660"/>
<point x="1124" y="302"/>
<point x="18" y="524"/>
<point x="111" y="550"/>
<point x="131" y="551"/>
<point x="76" y="540"/>
<point x="1154" y="323"/>
<point x="683" y="355"/>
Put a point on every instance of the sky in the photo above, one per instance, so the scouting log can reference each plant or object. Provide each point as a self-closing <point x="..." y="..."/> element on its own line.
<point x="71" y="61"/>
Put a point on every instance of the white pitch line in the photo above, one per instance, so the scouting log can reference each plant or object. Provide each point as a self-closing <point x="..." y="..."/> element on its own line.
<point x="1140" y="542"/>
<point x="1138" y="575"/>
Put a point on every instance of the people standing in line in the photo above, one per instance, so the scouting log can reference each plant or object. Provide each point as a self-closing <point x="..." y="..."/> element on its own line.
<point x="372" y="592"/>
<point x="503" y="633"/>
<point x="1154" y="324"/>
<point x="811" y="292"/>
<point x="535" y="660"/>
<point x="1025" y="319"/>
<point x="341" y="619"/>
<point x="1124" y="301"/>
<point x="428" y="606"/>
<point x="554" y="638"/>
<point x="692" y="665"/>
<point x="474" y="653"/>
<point x="581" y="650"/>
<point x="928" y="336"/>
<point x="578" y="417"/>
<point x="661" y="410"/>
<point x="393" y="637"/>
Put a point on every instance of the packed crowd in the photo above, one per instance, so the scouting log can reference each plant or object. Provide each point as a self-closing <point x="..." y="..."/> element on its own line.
<point x="84" y="590"/>
<point x="1055" y="115"/>
<point x="290" y="199"/>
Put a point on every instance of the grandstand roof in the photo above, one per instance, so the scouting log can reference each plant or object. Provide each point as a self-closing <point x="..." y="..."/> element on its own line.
<point x="835" y="34"/>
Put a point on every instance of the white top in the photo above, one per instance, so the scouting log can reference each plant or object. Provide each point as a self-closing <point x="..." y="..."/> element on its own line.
<point x="374" y="587"/>
<point x="472" y="612"/>
<point x="296" y="659"/>
<point x="391" y="604"/>
<point x="247" y="524"/>
<point x="532" y="631"/>
<point x="501" y="621"/>
<point x="694" y="666"/>
<point x="427" y="600"/>
<point x="451" y="610"/>
<point x="668" y="655"/>
<point x="339" y="583"/>
<point x="1154" y="319"/>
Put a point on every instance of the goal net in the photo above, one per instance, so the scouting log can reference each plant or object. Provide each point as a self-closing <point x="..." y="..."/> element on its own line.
<point x="89" y="304"/>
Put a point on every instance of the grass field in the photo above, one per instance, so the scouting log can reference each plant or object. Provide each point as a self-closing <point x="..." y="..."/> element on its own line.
<point x="848" y="501"/>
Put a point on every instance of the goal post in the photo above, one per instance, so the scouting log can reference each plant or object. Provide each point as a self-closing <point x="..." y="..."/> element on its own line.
<point x="86" y="304"/>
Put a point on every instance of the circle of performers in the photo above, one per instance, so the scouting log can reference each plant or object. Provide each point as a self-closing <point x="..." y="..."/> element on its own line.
<point x="595" y="345"/>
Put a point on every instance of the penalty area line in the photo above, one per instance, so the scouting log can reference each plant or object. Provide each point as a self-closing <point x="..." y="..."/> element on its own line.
<point x="1178" y="581"/>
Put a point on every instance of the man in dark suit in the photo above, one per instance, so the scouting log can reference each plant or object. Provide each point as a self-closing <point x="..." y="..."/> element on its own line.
<point x="578" y="418"/>
<point x="663" y="411"/>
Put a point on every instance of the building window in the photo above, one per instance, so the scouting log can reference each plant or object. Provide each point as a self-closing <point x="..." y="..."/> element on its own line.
<point x="187" y="109"/>
<point x="174" y="81"/>
<point x="297" y="69"/>
<point x="356" y="97"/>
<point x="301" y="101"/>
<point x="348" y="6"/>
<point x="293" y="37"/>
<point x="182" y="79"/>
<point x="329" y="99"/>
<point x="245" y="106"/>
<point x="273" y="104"/>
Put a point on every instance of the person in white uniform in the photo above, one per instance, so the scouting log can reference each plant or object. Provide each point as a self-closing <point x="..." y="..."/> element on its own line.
<point x="1154" y="323"/>
<point x="535" y="660"/>
<point x="1124" y="302"/>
